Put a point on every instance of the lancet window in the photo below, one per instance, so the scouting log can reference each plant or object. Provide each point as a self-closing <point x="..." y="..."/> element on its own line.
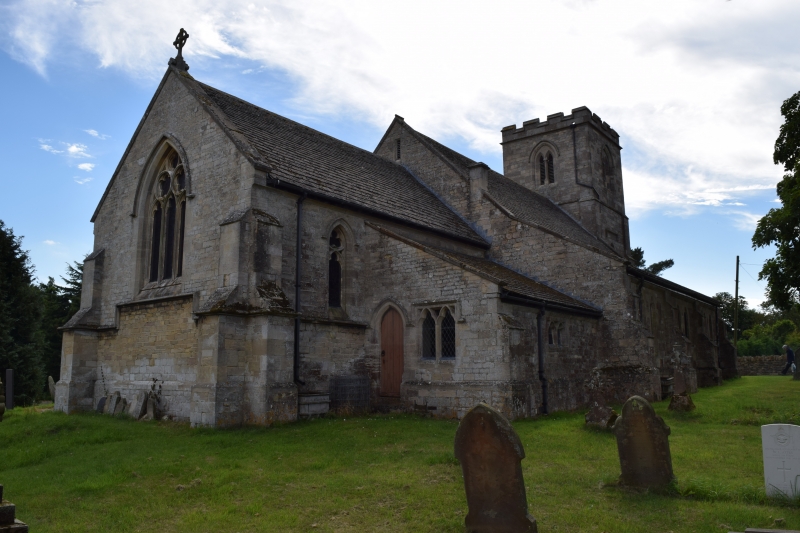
<point x="335" y="259"/>
<point x="547" y="172"/>
<point x="168" y="214"/>
<point x="438" y="333"/>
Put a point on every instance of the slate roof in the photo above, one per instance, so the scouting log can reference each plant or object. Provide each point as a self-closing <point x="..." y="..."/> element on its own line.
<point x="519" y="284"/>
<point x="524" y="204"/>
<point x="301" y="156"/>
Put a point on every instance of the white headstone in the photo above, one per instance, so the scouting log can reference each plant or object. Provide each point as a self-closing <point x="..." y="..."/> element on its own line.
<point x="781" y="446"/>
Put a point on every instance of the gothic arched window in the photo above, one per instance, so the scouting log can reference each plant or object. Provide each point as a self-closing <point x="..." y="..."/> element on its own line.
<point x="428" y="337"/>
<point x="448" y="335"/>
<point x="547" y="172"/>
<point x="335" y="249"/>
<point x="168" y="219"/>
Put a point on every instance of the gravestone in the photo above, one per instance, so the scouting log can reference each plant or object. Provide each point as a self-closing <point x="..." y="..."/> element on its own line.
<point x="111" y="403"/>
<point x="52" y="386"/>
<point x="8" y="517"/>
<point x="780" y="444"/>
<point x="643" y="446"/>
<point x="681" y="402"/>
<point x="101" y="405"/>
<point x="122" y="405"/>
<point x="151" y="409"/>
<point x="600" y="416"/>
<point x="490" y="452"/>
<point x="9" y="388"/>
<point x="138" y="405"/>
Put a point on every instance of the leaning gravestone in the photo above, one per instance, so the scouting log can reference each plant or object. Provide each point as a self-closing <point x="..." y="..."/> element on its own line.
<point x="490" y="452"/>
<point x="122" y="405"/>
<point x="101" y="405"/>
<point x="643" y="446"/>
<point x="111" y="403"/>
<point x="780" y="444"/>
<point x="52" y="386"/>
<point x="138" y="405"/>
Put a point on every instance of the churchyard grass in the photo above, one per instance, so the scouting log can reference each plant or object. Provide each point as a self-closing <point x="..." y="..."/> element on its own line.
<point x="384" y="473"/>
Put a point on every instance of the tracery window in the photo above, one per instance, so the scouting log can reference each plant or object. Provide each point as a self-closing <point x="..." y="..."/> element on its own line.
<point x="438" y="333"/>
<point x="335" y="251"/>
<point x="547" y="173"/>
<point x="168" y="219"/>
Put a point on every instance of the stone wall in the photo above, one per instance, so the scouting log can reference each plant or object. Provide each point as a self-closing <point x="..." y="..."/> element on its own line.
<point x="764" y="365"/>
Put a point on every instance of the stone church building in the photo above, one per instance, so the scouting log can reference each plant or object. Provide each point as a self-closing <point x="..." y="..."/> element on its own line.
<point x="255" y="267"/>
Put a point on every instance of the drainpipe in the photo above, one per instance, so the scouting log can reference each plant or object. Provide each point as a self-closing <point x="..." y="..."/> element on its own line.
<point x="298" y="255"/>
<point x="540" y="349"/>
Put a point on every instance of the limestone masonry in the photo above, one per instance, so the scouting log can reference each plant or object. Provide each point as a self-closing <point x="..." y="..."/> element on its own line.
<point x="259" y="270"/>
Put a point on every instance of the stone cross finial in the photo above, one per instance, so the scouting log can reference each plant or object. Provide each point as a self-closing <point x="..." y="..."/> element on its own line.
<point x="179" y="43"/>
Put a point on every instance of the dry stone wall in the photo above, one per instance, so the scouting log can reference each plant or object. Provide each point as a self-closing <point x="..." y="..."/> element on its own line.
<point x="763" y="365"/>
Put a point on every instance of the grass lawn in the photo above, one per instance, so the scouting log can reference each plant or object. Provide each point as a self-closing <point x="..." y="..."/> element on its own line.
<point x="383" y="473"/>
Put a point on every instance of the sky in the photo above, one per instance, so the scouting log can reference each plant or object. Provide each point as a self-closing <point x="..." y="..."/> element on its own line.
<point x="693" y="87"/>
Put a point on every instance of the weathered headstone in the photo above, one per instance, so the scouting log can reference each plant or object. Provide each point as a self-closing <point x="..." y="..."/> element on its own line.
<point x="679" y="383"/>
<point x="681" y="402"/>
<point x="780" y="444"/>
<point x="151" y="409"/>
<point x="8" y="517"/>
<point x="490" y="452"/>
<point x="600" y="416"/>
<point x="9" y="388"/>
<point x="111" y="403"/>
<point x="101" y="405"/>
<point x="643" y="446"/>
<point x="122" y="405"/>
<point x="138" y="405"/>
<point x="52" y="386"/>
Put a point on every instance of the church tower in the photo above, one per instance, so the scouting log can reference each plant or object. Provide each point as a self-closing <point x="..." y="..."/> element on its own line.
<point x="575" y="161"/>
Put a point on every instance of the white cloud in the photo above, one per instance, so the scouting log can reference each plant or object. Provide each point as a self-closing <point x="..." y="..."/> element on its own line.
<point x="86" y="166"/>
<point x="95" y="133"/>
<point x="48" y="148"/>
<point x="694" y="88"/>
<point x="82" y="181"/>
<point x="48" y="242"/>
<point x="77" y="150"/>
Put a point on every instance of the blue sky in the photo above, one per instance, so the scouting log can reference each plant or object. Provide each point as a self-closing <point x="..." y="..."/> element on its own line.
<point x="693" y="87"/>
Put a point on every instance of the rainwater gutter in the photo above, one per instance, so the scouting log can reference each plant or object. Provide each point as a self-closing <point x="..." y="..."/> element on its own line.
<point x="297" y="272"/>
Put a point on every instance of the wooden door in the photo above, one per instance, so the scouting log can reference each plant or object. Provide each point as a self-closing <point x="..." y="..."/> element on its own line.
<point x="391" y="353"/>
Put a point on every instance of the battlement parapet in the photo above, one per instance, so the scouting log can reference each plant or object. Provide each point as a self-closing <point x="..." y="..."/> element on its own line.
<point x="557" y="121"/>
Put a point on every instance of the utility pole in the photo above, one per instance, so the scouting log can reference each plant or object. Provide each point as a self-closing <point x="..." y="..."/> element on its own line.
<point x="736" y="308"/>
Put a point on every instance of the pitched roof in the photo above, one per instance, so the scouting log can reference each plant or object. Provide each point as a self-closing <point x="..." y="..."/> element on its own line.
<point x="318" y="163"/>
<point x="520" y="202"/>
<point x="510" y="281"/>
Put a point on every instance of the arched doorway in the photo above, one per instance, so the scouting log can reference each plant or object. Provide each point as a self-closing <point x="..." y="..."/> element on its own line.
<point x="391" y="353"/>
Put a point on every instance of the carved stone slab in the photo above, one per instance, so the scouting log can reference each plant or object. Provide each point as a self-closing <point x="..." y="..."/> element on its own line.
<point x="490" y="452"/>
<point x="643" y="446"/>
<point x="780" y="444"/>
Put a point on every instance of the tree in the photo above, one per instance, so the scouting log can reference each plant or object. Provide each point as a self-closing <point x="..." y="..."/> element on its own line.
<point x="21" y="342"/>
<point x="55" y="313"/>
<point x="781" y="226"/>
<point x="748" y="318"/>
<point x="637" y="256"/>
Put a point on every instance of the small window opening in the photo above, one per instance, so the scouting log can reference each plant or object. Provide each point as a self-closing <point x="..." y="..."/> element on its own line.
<point x="398" y="149"/>
<point x="686" y="323"/>
<point x="551" y="176"/>
<point x="558" y="335"/>
<point x="428" y="337"/>
<point x="335" y="270"/>
<point x="550" y="336"/>
<point x="448" y="335"/>
<point x="542" y="170"/>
